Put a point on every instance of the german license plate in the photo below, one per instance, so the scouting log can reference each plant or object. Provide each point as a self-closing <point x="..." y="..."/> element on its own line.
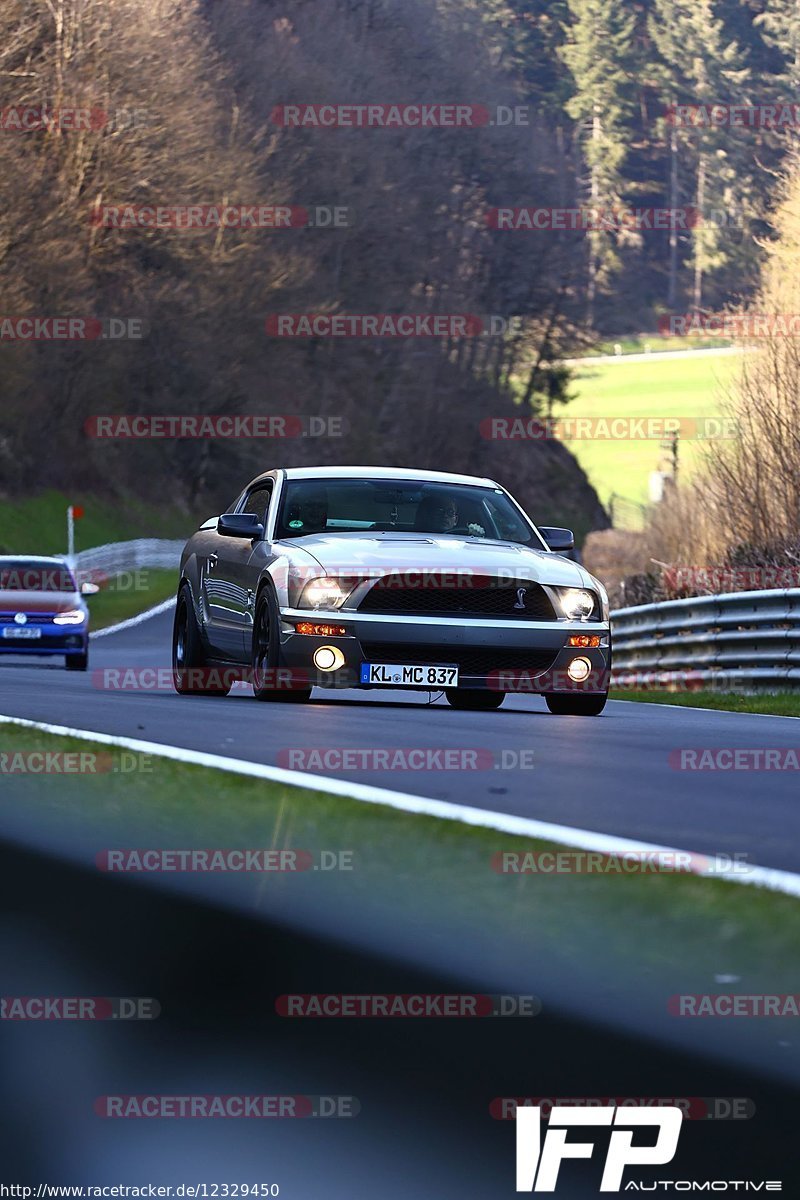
<point x="405" y="675"/>
<point x="18" y="632"/>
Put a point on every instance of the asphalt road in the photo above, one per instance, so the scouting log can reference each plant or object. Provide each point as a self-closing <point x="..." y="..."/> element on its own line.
<point x="611" y="774"/>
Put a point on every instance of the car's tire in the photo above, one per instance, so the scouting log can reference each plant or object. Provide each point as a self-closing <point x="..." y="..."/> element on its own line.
<point x="577" y="706"/>
<point x="265" y="654"/>
<point x="477" y="699"/>
<point x="77" y="662"/>
<point x="188" y="655"/>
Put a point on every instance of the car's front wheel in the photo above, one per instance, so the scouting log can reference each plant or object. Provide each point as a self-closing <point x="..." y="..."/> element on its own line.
<point x="577" y="706"/>
<point x="76" y="662"/>
<point x="270" y="681"/>
<point x="191" y="676"/>
<point x="474" y="698"/>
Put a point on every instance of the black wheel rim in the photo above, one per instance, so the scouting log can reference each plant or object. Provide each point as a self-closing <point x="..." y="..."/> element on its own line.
<point x="261" y="647"/>
<point x="181" y="627"/>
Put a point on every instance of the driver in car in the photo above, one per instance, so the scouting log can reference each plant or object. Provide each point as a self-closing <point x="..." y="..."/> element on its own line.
<point x="438" y="513"/>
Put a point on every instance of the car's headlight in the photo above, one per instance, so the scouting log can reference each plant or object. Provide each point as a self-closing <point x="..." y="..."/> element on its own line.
<point x="324" y="593"/>
<point x="578" y="604"/>
<point x="75" y="616"/>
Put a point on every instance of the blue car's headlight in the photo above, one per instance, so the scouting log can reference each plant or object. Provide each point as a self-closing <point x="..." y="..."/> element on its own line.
<point x="75" y="616"/>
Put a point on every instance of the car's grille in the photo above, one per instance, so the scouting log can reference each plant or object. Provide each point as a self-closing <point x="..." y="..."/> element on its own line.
<point x="476" y="597"/>
<point x="471" y="660"/>
<point x="35" y="618"/>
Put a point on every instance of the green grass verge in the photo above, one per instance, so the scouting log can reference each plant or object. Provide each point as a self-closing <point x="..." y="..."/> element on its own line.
<point x="783" y="704"/>
<point x="38" y="524"/>
<point x="128" y="595"/>
<point x="648" y="935"/>
<point x="687" y="387"/>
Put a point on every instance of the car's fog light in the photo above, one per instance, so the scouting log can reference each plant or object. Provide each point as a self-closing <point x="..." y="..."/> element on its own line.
<point x="579" y="669"/>
<point x="328" y="658"/>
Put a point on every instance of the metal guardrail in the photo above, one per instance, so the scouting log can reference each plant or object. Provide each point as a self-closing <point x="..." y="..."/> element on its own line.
<point x="118" y="557"/>
<point x="734" y="641"/>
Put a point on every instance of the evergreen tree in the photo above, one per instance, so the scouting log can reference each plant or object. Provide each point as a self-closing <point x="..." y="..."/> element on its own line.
<point x="598" y="53"/>
<point x="702" y="69"/>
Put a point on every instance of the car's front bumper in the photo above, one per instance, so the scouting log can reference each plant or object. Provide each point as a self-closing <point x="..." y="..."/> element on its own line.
<point x="52" y="639"/>
<point x="505" y="655"/>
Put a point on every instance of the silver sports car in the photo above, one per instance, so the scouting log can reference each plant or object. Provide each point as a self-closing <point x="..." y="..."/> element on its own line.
<point x="371" y="577"/>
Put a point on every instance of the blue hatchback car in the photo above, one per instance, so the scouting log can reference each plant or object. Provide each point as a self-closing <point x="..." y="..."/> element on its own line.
<point x="42" y="610"/>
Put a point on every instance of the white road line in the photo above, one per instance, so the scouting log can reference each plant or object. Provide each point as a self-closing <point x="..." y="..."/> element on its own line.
<point x="584" y="839"/>
<point x="137" y="620"/>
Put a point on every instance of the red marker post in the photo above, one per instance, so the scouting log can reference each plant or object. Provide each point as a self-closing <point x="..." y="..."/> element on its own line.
<point x="74" y="513"/>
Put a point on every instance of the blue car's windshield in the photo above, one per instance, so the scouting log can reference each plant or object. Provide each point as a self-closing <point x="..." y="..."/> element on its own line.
<point x="313" y="506"/>
<point x="27" y="575"/>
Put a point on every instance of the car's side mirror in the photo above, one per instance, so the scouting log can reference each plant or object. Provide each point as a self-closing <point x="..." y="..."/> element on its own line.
<point x="89" y="589"/>
<point x="240" y="525"/>
<point x="559" y="540"/>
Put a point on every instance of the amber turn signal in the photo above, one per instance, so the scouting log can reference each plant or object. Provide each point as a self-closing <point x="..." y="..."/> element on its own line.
<point x="321" y="630"/>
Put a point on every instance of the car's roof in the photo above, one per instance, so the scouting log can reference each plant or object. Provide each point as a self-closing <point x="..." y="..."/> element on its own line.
<point x="385" y="473"/>
<point x="52" y="560"/>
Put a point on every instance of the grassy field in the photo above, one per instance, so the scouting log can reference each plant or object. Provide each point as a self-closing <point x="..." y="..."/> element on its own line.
<point x="656" y="933"/>
<point x="127" y="595"/>
<point x="687" y="387"/>
<point x="782" y="704"/>
<point x="38" y="525"/>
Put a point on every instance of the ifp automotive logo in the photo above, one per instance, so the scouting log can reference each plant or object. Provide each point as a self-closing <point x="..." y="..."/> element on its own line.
<point x="538" y="1164"/>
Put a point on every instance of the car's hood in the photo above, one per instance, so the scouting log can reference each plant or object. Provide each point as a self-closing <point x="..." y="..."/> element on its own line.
<point x="411" y="552"/>
<point x="39" y="602"/>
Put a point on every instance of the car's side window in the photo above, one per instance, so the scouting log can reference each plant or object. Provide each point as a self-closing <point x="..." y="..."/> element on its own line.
<point x="258" y="500"/>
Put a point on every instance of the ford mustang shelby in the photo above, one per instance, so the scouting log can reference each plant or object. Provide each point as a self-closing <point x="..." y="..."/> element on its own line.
<point x="372" y="577"/>
<point x="42" y="610"/>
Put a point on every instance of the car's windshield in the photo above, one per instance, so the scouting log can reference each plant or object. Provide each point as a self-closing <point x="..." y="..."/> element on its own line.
<point x="311" y="506"/>
<point x="21" y="575"/>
